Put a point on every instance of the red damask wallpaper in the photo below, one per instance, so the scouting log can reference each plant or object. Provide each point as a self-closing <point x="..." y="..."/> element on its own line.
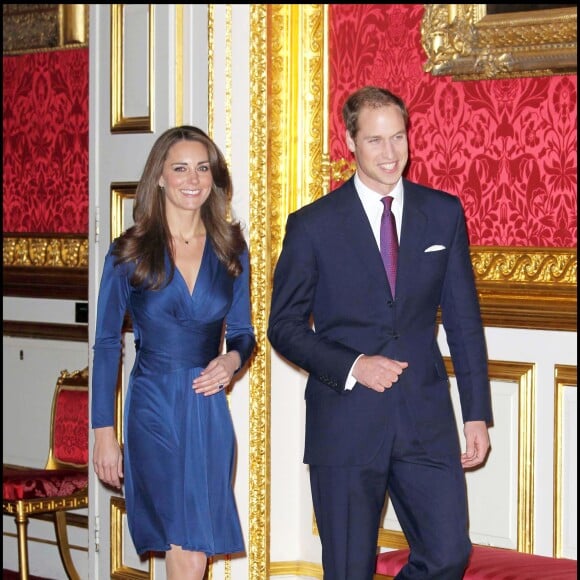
<point x="45" y="142"/>
<point x="507" y="148"/>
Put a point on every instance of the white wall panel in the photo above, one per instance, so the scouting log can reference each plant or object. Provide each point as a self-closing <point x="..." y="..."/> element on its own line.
<point x="30" y="370"/>
<point x="570" y="473"/>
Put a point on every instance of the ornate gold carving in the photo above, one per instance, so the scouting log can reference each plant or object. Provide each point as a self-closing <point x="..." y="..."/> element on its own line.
<point x="462" y="40"/>
<point x="342" y="170"/>
<point x="43" y="27"/>
<point x="29" y="250"/>
<point x="259" y="428"/>
<point x="120" y="123"/>
<point x="542" y="265"/>
<point x="527" y="287"/>
<point x="565" y="376"/>
<point x="288" y="169"/>
<point x="68" y="503"/>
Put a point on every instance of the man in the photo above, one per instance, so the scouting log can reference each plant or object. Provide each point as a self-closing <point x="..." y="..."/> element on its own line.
<point x="379" y="416"/>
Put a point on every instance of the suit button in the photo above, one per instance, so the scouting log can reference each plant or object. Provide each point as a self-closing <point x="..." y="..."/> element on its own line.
<point x="389" y="302"/>
<point x="395" y="336"/>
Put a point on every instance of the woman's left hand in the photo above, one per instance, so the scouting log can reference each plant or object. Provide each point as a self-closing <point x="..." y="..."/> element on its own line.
<point x="217" y="375"/>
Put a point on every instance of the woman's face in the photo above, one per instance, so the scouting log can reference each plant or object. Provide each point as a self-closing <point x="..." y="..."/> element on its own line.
<point x="186" y="176"/>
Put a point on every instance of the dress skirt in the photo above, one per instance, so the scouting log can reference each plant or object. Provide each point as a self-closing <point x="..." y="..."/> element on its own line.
<point x="179" y="454"/>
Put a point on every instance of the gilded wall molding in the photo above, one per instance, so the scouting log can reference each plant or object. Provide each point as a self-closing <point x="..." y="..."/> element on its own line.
<point x="297" y="568"/>
<point x="524" y="375"/>
<point x="45" y="266"/>
<point x="119" y="569"/>
<point x="45" y="251"/>
<point x="43" y="27"/>
<point x="531" y="288"/>
<point x="463" y="41"/>
<point x="288" y="168"/>
<point x="120" y="123"/>
<point x="565" y="377"/>
<point x="259" y="414"/>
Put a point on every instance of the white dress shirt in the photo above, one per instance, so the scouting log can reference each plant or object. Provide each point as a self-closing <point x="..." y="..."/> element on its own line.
<point x="373" y="206"/>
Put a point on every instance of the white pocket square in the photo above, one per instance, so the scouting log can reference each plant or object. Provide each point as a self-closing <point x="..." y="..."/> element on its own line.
<point x="435" y="248"/>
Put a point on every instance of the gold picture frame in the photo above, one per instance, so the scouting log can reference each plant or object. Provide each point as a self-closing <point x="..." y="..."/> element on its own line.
<point x="120" y="570"/>
<point x="523" y="374"/>
<point x="120" y="122"/>
<point x="42" y="27"/>
<point x="467" y="43"/>
<point x="122" y="195"/>
<point x="565" y="378"/>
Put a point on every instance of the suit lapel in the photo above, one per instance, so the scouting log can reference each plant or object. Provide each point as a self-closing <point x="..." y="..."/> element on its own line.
<point x="358" y="233"/>
<point x="412" y="238"/>
<point x="355" y="226"/>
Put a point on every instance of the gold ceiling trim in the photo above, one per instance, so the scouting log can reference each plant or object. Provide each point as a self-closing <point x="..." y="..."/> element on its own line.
<point x="463" y="41"/>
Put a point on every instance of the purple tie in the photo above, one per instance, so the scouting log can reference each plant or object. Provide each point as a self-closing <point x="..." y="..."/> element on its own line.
<point x="389" y="242"/>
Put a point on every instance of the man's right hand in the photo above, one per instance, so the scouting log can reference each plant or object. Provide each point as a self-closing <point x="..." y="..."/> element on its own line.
<point x="378" y="372"/>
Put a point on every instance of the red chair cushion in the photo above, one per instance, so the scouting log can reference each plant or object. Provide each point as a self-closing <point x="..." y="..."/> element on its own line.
<point x="488" y="563"/>
<point x="71" y="427"/>
<point x="390" y="563"/>
<point x="32" y="483"/>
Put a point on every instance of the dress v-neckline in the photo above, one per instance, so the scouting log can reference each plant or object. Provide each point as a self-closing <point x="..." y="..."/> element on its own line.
<point x="192" y="291"/>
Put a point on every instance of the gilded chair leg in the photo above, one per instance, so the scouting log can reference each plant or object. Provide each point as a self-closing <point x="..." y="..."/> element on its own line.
<point x="63" y="545"/>
<point x="21" y="525"/>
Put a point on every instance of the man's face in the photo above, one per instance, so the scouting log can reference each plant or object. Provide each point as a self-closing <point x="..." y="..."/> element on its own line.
<point x="380" y="148"/>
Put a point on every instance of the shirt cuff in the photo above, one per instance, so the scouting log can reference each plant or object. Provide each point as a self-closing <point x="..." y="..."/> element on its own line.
<point x="350" y="380"/>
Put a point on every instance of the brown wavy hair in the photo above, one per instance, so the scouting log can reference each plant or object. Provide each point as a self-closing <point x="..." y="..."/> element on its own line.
<point x="145" y="242"/>
<point x="373" y="97"/>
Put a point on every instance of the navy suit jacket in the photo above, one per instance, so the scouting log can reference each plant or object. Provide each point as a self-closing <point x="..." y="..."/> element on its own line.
<point x="331" y="302"/>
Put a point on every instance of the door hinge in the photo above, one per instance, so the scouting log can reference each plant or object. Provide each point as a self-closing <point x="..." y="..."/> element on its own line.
<point x="97" y="224"/>
<point x="97" y="532"/>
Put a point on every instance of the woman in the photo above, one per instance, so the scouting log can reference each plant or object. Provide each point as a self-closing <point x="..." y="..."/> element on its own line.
<point x="182" y="273"/>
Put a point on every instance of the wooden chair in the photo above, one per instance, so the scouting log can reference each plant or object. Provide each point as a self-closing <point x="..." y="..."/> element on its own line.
<point x="63" y="483"/>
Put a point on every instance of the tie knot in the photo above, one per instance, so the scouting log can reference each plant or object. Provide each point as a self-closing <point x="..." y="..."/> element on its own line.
<point x="387" y="201"/>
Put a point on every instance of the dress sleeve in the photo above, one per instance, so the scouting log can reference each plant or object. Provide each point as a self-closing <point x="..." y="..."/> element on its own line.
<point x="239" y="330"/>
<point x="111" y="306"/>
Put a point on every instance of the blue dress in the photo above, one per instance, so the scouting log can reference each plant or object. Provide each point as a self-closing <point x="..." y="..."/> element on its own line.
<point x="179" y="447"/>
